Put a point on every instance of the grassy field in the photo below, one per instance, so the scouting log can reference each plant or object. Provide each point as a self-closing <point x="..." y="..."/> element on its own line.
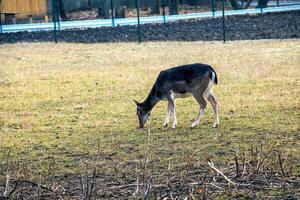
<point x="69" y="103"/>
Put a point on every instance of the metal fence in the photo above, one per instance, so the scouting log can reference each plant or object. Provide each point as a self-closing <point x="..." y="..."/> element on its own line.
<point x="113" y="13"/>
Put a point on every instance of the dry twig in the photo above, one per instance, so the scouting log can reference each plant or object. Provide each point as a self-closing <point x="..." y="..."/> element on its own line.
<point x="5" y="194"/>
<point x="214" y="168"/>
<point x="137" y="180"/>
<point x="280" y="164"/>
<point x="260" y="162"/>
<point x="148" y="187"/>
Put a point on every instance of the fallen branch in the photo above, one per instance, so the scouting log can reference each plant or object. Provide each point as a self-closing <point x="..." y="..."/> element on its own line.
<point x="5" y="194"/>
<point x="216" y="186"/>
<point x="237" y="166"/>
<point x="214" y="168"/>
<point x="137" y="180"/>
<point x="18" y="182"/>
<point x="93" y="183"/>
<point x="148" y="188"/>
<point x="281" y="164"/>
<point x="261" y="162"/>
<point x="199" y="183"/>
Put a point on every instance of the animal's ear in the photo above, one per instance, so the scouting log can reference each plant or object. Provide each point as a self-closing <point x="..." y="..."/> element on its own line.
<point x="136" y="102"/>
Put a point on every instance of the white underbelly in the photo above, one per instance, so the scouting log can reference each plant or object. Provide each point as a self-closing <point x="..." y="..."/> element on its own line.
<point x="182" y="95"/>
<point x="178" y="95"/>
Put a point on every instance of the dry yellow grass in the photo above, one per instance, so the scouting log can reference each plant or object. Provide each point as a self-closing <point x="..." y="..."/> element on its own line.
<point x="69" y="102"/>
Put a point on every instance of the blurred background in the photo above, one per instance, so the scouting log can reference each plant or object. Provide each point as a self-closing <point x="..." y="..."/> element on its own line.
<point x="32" y="11"/>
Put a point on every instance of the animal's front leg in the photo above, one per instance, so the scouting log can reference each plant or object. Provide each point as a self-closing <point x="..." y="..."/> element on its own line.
<point x="168" y="115"/>
<point x="171" y="109"/>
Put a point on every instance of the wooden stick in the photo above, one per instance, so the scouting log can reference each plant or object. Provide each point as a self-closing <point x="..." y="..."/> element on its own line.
<point x="260" y="155"/>
<point x="237" y="166"/>
<point x="216" y="186"/>
<point x="17" y="182"/>
<point x="147" y="157"/>
<point x="214" y="168"/>
<point x="261" y="162"/>
<point x="148" y="188"/>
<point x="281" y="164"/>
<point x="136" y="193"/>
<point x="86" y="194"/>
<point x="93" y="182"/>
<point x="5" y="194"/>
<point x="291" y="164"/>
<point x="244" y="165"/>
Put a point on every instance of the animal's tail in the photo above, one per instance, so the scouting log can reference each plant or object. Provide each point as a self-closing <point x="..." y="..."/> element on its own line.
<point x="213" y="76"/>
<point x="213" y="80"/>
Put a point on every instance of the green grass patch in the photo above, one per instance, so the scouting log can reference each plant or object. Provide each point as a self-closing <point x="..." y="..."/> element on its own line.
<point x="67" y="103"/>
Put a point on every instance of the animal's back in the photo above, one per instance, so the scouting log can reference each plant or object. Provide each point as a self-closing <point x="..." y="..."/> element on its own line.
<point x="184" y="79"/>
<point x="187" y="73"/>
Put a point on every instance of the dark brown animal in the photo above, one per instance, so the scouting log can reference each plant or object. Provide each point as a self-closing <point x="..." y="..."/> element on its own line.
<point x="188" y="80"/>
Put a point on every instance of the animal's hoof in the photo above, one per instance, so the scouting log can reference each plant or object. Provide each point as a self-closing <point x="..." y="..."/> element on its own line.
<point x="174" y="126"/>
<point x="193" y="125"/>
<point x="216" y="125"/>
<point x="165" y="125"/>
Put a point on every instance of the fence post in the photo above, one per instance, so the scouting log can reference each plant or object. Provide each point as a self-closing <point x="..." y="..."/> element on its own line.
<point x="137" y="5"/>
<point x="1" y="31"/>
<point x="213" y="7"/>
<point x="223" y="21"/>
<point x="1" y="28"/>
<point x="112" y="12"/>
<point x="277" y="2"/>
<point x="58" y="14"/>
<point x="163" y="4"/>
<point x="54" y="16"/>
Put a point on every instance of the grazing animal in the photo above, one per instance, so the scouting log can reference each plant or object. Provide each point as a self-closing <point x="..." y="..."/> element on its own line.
<point x="179" y="82"/>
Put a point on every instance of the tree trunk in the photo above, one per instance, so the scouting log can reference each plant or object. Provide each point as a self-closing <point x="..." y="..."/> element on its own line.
<point x="155" y="7"/>
<point x="62" y="11"/>
<point x="235" y="5"/>
<point x="173" y="6"/>
<point x="120" y="12"/>
<point x="248" y="3"/>
<point x="199" y="2"/>
<point x="103" y="9"/>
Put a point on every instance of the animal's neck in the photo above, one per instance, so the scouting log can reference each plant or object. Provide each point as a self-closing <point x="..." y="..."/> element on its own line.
<point x="151" y="100"/>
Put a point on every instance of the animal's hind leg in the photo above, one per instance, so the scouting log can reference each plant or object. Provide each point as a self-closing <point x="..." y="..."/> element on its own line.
<point x="214" y="104"/>
<point x="202" y="104"/>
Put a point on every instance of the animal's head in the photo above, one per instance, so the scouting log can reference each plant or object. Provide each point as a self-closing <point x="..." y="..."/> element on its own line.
<point x="141" y="113"/>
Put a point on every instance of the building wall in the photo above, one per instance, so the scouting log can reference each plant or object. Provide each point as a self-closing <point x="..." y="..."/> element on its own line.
<point x="25" y="7"/>
<point x="44" y="7"/>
